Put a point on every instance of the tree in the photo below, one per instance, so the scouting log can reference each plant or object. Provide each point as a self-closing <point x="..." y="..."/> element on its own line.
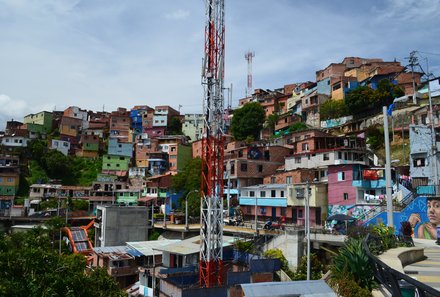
<point x="333" y="109"/>
<point x="272" y="120"/>
<point x="316" y="268"/>
<point x="298" y="126"/>
<point x="359" y="99"/>
<point x="375" y="137"/>
<point x="248" y="121"/>
<point x="364" y="98"/>
<point x="386" y="92"/>
<point x="175" y="126"/>
<point x="189" y="179"/>
<point x="32" y="267"/>
<point x="57" y="165"/>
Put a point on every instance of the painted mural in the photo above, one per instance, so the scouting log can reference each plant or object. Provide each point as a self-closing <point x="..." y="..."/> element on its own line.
<point x="359" y="212"/>
<point x="422" y="215"/>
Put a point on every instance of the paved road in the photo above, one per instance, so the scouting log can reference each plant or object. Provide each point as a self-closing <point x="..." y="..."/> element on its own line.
<point x="428" y="270"/>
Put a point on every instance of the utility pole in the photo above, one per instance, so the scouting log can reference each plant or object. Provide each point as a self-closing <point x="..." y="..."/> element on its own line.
<point x="413" y="61"/>
<point x="389" y="199"/>
<point x="308" y="228"/>
<point x="433" y="136"/>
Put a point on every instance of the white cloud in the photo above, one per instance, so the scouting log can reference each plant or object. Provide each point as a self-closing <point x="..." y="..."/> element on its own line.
<point x="179" y="14"/>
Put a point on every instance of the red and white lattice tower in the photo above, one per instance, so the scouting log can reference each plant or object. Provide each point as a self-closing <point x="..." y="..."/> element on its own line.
<point x="248" y="56"/>
<point x="211" y="229"/>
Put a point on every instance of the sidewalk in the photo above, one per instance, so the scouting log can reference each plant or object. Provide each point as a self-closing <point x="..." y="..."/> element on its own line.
<point x="428" y="270"/>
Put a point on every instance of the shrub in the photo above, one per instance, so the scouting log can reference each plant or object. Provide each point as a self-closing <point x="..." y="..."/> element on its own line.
<point x="349" y="288"/>
<point x="352" y="263"/>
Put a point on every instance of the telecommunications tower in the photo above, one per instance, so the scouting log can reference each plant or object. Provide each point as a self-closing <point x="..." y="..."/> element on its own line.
<point x="211" y="211"/>
<point x="248" y="56"/>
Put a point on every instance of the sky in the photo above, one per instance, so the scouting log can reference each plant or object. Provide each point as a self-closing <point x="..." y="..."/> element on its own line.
<point x="104" y="54"/>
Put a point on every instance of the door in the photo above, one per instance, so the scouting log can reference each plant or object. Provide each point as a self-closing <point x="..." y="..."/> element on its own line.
<point x="274" y="214"/>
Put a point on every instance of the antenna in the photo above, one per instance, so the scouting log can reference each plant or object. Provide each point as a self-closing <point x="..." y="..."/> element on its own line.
<point x="248" y="56"/>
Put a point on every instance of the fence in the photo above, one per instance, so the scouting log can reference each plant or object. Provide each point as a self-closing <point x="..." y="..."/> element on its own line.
<point x="397" y="283"/>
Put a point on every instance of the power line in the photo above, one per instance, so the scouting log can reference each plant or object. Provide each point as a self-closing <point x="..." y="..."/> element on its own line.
<point x="426" y="53"/>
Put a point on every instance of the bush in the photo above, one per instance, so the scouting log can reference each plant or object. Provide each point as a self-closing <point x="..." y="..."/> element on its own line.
<point x="154" y="235"/>
<point x="316" y="268"/>
<point x="386" y="236"/>
<point x="352" y="263"/>
<point x="349" y="288"/>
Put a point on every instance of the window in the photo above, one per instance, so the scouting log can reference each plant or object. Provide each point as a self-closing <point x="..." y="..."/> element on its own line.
<point x="260" y="168"/>
<point x="282" y="194"/>
<point x="283" y="211"/>
<point x="249" y="209"/>
<point x="299" y="193"/>
<point x="325" y="157"/>
<point x="251" y="193"/>
<point x="288" y="179"/>
<point x="262" y="210"/>
<point x="297" y="160"/>
<point x="419" y="162"/>
<point x="305" y="146"/>
<point x="337" y="86"/>
<point x="300" y="213"/>
<point x="273" y="193"/>
<point x="263" y="194"/>
<point x="273" y="180"/>
<point x="341" y="176"/>
<point x="345" y="196"/>
<point x="243" y="167"/>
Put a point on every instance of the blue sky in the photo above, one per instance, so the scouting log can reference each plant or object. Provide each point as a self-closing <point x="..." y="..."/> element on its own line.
<point x="99" y="54"/>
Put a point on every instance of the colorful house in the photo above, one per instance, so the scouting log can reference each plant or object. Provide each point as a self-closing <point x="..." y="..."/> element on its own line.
<point x="43" y="118"/>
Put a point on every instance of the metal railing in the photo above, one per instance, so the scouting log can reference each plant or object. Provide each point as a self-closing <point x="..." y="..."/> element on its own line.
<point x="394" y="281"/>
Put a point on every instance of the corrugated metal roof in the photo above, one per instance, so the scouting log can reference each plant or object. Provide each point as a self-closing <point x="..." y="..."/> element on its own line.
<point x="288" y="289"/>
<point x="191" y="245"/>
<point x="150" y="248"/>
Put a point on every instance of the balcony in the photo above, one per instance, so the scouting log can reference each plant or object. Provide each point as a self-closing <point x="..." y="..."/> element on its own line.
<point x="122" y="271"/>
<point x="280" y="202"/>
<point x="369" y="184"/>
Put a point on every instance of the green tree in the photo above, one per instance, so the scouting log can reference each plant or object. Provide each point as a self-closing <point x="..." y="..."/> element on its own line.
<point x="359" y="99"/>
<point x="316" y="268"/>
<point x="298" y="126"/>
<point x="386" y="92"/>
<point x="32" y="267"/>
<point x="37" y="148"/>
<point x="57" y="165"/>
<point x="333" y="109"/>
<point x="271" y="121"/>
<point x="248" y="121"/>
<point x="175" y="126"/>
<point x="375" y="137"/>
<point x="189" y="179"/>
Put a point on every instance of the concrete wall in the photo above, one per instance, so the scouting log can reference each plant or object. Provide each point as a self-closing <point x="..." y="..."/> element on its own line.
<point x="290" y="245"/>
<point x="122" y="224"/>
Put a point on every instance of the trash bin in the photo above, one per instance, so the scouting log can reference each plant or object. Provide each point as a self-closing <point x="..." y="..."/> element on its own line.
<point x="406" y="289"/>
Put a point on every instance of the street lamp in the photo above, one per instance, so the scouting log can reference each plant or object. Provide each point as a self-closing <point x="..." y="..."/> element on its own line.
<point x="186" y="208"/>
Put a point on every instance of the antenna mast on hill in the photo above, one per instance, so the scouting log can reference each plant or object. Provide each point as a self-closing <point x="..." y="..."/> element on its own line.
<point x="211" y="210"/>
<point x="248" y="56"/>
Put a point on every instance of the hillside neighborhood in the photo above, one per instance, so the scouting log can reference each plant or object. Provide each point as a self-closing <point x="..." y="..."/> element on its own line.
<point x="120" y="179"/>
